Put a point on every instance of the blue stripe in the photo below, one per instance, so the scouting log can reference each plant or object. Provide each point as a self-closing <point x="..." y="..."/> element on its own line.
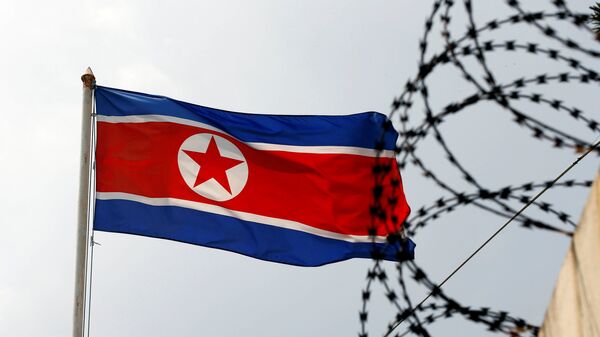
<point x="357" y="130"/>
<point x="248" y="238"/>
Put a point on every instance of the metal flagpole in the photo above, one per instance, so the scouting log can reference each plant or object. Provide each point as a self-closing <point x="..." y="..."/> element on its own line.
<point x="89" y="82"/>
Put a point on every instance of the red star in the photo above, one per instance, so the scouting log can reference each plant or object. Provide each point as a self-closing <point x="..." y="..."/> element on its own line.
<point x="212" y="165"/>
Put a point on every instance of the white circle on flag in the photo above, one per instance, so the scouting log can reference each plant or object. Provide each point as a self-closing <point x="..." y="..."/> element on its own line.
<point x="225" y="168"/>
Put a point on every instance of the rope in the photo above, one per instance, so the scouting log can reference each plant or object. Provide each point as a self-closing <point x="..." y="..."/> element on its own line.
<point x="92" y="209"/>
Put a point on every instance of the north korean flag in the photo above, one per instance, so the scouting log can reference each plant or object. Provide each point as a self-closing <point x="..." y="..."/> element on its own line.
<point x="289" y="189"/>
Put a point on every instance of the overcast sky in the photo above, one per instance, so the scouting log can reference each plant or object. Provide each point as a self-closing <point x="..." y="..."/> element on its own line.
<point x="277" y="57"/>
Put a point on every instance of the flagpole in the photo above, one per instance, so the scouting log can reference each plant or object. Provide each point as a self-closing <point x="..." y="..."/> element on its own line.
<point x="89" y="82"/>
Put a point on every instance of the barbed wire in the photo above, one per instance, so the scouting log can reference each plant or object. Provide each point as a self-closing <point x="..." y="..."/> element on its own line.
<point x="457" y="52"/>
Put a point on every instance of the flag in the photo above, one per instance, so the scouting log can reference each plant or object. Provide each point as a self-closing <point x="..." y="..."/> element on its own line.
<point x="289" y="189"/>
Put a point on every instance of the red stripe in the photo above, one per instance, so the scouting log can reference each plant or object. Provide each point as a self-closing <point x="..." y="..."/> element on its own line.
<point x="326" y="191"/>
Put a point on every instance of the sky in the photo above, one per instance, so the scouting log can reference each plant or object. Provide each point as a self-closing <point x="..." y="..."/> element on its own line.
<point x="276" y="57"/>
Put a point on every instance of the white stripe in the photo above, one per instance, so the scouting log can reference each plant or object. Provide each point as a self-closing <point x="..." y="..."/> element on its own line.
<point x="360" y="151"/>
<point x="154" y="118"/>
<point x="214" y="209"/>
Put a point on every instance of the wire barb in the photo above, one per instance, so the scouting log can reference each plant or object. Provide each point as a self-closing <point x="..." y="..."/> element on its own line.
<point x="466" y="52"/>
